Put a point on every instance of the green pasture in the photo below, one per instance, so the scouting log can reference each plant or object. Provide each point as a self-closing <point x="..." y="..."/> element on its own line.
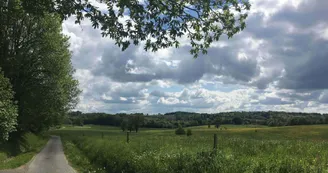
<point x="240" y="149"/>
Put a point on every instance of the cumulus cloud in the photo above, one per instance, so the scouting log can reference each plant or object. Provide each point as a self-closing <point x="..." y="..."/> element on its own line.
<point x="279" y="62"/>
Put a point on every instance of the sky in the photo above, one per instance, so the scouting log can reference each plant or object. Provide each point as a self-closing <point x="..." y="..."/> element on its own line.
<point x="278" y="63"/>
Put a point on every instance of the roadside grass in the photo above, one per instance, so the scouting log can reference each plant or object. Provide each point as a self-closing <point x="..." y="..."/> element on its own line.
<point x="78" y="160"/>
<point x="240" y="149"/>
<point x="16" y="154"/>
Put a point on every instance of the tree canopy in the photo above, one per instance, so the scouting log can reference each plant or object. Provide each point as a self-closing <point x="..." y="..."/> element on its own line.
<point x="160" y="23"/>
<point x="8" y="110"/>
<point x="36" y="60"/>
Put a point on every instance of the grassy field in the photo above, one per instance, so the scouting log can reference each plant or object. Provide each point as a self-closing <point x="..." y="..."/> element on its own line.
<point x="240" y="149"/>
<point x="15" y="154"/>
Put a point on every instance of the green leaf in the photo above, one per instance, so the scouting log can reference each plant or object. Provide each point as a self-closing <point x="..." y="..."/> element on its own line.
<point x="153" y="18"/>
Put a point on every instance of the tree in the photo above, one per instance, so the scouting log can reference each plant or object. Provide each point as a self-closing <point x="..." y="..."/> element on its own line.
<point x="131" y="124"/>
<point x="124" y="124"/>
<point x="138" y="121"/>
<point x="209" y="123"/>
<point x="8" y="110"/>
<point x="68" y="121"/>
<point x="36" y="59"/>
<point x="180" y="131"/>
<point x="78" y="121"/>
<point x="218" y="122"/>
<point x="189" y="133"/>
<point x="237" y="120"/>
<point x="157" y="22"/>
<point x="76" y="113"/>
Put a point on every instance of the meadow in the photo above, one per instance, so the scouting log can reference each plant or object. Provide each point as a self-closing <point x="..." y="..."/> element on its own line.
<point x="240" y="149"/>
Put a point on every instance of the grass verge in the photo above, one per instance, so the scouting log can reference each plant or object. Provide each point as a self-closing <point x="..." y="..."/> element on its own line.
<point x="16" y="154"/>
<point x="78" y="159"/>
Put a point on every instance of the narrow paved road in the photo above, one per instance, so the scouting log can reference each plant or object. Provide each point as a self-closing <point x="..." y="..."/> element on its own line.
<point x="50" y="160"/>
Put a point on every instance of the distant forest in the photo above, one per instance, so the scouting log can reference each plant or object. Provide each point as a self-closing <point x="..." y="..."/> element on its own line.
<point x="186" y="119"/>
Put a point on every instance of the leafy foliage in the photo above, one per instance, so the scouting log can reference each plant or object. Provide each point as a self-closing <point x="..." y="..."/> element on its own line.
<point x="76" y="119"/>
<point x="187" y="119"/>
<point x="157" y="22"/>
<point x="189" y="132"/>
<point x="218" y="122"/>
<point x="237" y="120"/>
<point x="180" y="131"/>
<point x="124" y="125"/>
<point x="138" y="120"/>
<point x="36" y="60"/>
<point x="8" y="110"/>
<point x="78" y="122"/>
<point x="131" y="125"/>
<point x="132" y="122"/>
<point x="18" y="152"/>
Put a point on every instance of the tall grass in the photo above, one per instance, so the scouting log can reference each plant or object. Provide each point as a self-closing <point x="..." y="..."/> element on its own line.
<point x="242" y="150"/>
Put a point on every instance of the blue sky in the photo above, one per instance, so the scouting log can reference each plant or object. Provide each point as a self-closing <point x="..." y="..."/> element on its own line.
<point x="279" y="62"/>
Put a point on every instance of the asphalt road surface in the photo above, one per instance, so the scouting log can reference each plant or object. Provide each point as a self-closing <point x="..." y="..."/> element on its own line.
<point x="50" y="160"/>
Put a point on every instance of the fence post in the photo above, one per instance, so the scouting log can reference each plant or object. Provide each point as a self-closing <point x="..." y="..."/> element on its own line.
<point x="215" y="142"/>
<point x="127" y="137"/>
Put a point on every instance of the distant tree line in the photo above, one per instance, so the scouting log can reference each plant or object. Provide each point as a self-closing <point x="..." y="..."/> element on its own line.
<point x="186" y="119"/>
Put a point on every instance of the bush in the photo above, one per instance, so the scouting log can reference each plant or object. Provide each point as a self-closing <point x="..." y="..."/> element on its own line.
<point x="189" y="133"/>
<point x="180" y="131"/>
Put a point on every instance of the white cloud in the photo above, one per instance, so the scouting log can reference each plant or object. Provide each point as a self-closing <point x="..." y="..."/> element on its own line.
<point x="277" y="63"/>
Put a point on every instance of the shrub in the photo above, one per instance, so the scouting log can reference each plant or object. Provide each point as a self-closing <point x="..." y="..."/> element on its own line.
<point x="180" y="131"/>
<point x="189" y="133"/>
